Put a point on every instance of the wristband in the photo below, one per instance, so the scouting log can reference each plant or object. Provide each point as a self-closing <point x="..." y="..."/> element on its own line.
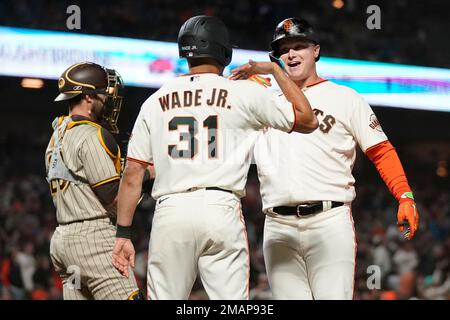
<point x="123" y="232"/>
<point x="406" y="195"/>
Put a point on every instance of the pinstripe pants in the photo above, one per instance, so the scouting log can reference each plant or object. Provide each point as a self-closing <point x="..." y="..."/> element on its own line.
<point x="81" y="253"/>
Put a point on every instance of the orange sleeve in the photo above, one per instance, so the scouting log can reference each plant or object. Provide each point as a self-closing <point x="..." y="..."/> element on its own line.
<point x="387" y="162"/>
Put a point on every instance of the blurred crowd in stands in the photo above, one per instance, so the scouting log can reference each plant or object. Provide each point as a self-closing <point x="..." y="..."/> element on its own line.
<point x="411" y="31"/>
<point x="403" y="270"/>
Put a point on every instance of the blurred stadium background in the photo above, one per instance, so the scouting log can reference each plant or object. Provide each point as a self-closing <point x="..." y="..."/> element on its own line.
<point x="412" y="32"/>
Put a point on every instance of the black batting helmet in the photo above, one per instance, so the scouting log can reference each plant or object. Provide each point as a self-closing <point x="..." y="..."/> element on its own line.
<point x="205" y="37"/>
<point x="292" y="28"/>
<point x="90" y="78"/>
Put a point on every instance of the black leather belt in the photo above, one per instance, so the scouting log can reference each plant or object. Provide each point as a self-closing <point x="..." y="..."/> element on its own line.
<point x="218" y="189"/>
<point x="305" y="209"/>
<point x="211" y="188"/>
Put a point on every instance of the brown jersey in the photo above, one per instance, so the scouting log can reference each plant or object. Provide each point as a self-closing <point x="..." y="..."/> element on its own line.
<point x="92" y="157"/>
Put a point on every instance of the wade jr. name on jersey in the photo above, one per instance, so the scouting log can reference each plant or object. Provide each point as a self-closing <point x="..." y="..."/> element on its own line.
<point x="188" y="98"/>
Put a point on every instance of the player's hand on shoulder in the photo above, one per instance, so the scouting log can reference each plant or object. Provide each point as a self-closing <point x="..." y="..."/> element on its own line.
<point x="407" y="216"/>
<point x="252" y="68"/>
<point x="123" y="256"/>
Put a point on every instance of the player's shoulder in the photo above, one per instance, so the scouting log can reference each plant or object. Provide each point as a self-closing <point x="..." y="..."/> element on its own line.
<point x="247" y="89"/>
<point x="80" y="128"/>
<point x="337" y="92"/>
<point x="85" y="130"/>
<point x="339" y="89"/>
<point x="248" y="84"/>
<point x="333" y="87"/>
<point x="108" y="142"/>
<point x="155" y="97"/>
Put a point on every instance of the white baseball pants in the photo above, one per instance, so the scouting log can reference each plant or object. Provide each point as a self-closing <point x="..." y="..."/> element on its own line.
<point x="198" y="232"/>
<point x="311" y="257"/>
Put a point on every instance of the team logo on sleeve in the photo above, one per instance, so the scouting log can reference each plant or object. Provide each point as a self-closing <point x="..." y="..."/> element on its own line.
<point x="374" y="123"/>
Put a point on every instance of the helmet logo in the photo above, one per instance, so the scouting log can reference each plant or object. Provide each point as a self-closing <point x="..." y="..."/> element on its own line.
<point x="287" y="25"/>
<point x="77" y="87"/>
<point x="61" y="83"/>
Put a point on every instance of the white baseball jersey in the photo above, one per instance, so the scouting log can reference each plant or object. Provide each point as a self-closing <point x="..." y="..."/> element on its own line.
<point x="199" y="131"/>
<point x="295" y="168"/>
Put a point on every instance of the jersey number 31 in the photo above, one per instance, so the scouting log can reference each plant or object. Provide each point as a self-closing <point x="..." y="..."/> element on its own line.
<point x="210" y="123"/>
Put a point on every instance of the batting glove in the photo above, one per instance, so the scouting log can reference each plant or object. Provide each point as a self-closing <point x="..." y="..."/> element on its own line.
<point x="265" y="82"/>
<point x="407" y="215"/>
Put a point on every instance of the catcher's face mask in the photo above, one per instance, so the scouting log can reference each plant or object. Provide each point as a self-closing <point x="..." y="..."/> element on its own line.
<point x="113" y="101"/>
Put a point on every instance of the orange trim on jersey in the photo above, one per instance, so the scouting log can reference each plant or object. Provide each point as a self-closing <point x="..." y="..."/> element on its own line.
<point x="387" y="162"/>
<point x="295" y="119"/>
<point x="316" y="83"/>
<point x="355" y="242"/>
<point x="241" y="217"/>
<point x="139" y="161"/>
<point x="105" y="182"/>
<point x="147" y="293"/>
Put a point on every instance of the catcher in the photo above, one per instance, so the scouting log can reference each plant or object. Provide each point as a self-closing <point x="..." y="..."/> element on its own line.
<point x="83" y="166"/>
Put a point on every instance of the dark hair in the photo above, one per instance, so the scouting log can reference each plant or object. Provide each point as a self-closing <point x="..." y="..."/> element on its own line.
<point x="75" y="100"/>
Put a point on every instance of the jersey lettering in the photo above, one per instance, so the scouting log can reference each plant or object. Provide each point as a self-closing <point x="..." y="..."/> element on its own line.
<point x="173" y="150"/>
<point x="195" y="98"/>
<point x="210" y="123"/>
<point x="327" y="122"/>
<point x="58" y="185"/>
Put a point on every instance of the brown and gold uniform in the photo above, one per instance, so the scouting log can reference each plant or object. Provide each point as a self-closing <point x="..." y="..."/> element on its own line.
<point x="88" y="162"/>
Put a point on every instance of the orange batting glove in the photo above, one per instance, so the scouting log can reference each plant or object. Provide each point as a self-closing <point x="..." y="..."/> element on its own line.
<point x="407" y="215"/>
<point x="265" y="82"/>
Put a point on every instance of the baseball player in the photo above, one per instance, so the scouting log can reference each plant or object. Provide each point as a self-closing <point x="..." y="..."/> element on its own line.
<point x="83" y="170"/>
<point x="307" y="183"/>
<point x="198" y="130"/>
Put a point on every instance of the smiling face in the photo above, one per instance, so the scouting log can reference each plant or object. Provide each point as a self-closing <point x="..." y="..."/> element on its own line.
<point x="299" y="57"/>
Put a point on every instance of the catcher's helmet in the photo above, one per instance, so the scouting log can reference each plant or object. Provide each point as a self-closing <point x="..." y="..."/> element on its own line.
<point x="90" y="78"/>
<point x="205" y="37"/>
<point x="292" y="28"/>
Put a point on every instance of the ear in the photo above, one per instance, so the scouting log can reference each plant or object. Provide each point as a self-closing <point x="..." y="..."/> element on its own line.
<point x="316" y="51"/>
<point x="89" y="98"/>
